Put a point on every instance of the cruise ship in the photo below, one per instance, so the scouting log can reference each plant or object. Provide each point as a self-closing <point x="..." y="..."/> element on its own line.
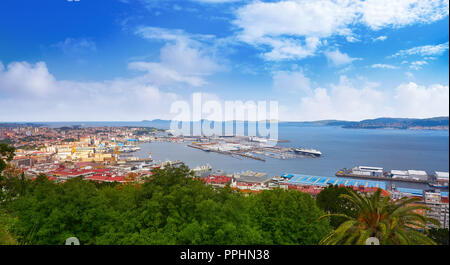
<point x="308" y="152"/>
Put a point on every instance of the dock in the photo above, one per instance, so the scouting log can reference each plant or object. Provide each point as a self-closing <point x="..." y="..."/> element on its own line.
<point x="349" y="175"/>
<point x="231" y="153"/>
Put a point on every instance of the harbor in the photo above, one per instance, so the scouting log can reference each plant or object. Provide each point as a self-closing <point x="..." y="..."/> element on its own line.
<point x="230" y="163"/>
<point x="436" y="180"/>
<point x="247" y="164"/>
<point x="252" y="148"/>
<point x="341" y="173"/>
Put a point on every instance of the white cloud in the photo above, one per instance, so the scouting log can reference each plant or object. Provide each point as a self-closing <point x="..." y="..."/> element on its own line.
<point x="163" y="4"/>
<point x="216" y="1"/>
<point x="28" y="92"/>
<point x="156" y="33"/>
<point x="289" y="49"/>
<point x="292" y="21"/>
<point x="414" y="100"/>
<point x="24" y="79"/>
<point x="350" y="101"/>
<point x="296" y="18"/>
<point x="164" y="76"/>
<point x="342" y="101"/>
<point x="292" y="82"/>
<point x="338" y="58"/>
<point x="417" y="65"/>
<point x="351" y="39"/>
<point x="378" y="14"/>
<point x="185" y="57"/>
<point x="76" y="46"/>
<point x="426" y="50"/>
<point x="380" y="38"/>
<point x="383" y="66"/>
<point x="189" y="60"/>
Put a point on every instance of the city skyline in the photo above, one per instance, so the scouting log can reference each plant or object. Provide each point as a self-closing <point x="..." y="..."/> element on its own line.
<point x="128" y="60"/>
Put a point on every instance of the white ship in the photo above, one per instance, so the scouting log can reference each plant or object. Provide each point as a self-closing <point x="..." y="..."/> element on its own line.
<point x="308" y="152"/>
<point x="200" y="170"/>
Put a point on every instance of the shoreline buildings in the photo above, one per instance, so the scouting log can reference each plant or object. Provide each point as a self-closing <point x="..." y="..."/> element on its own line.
<point x="105" y="154"/>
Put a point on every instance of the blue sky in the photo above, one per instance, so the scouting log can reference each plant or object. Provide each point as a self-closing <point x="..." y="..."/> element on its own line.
<point x="130" y="59"/>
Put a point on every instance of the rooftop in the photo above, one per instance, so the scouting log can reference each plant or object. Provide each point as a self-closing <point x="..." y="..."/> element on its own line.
<point x="324" y="181"/>
<point x="442" y="175"/>
<point x="417" y="172"/>
<point x="399" y="172"/>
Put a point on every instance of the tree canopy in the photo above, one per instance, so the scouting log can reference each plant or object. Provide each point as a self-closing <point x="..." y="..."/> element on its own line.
<point x="330" y="200"/>
<point x="171" y="207"/>
<point x="6" y="154"/>
<point x="392" y="222"/>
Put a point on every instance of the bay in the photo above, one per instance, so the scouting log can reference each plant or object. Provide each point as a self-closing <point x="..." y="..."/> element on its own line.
<point x="342" y="148"/>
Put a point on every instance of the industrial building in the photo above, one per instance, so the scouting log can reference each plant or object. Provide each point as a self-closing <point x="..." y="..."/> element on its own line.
<point x="296" y="179"/>
<point x="418" y="175"/>
<point x="399" y="174"/>
<point x="368" y="171"/>
<point x="441" y="178"/>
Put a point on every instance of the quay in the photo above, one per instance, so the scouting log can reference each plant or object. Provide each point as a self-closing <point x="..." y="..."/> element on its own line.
<point x="349" y="175"/>
<point x="231" y="153"/>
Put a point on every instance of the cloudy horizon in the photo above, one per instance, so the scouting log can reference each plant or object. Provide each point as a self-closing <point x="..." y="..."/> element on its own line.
<point x="131" y="59"/>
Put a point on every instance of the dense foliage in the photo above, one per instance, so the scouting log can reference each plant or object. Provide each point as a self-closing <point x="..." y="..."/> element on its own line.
<point x="6" y="154"/>
<point x="169" y="208"/>
<point x="330" y="200"/>
<point x="392" y="222"/>
<point x="173" y="208"/>
<point x="6" y="224"/>
<point x="439" y="235"/>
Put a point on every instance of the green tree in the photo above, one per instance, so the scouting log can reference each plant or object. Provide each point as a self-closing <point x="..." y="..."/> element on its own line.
<point x="14" y="184"/>
<point x="171" y="207"/>
<point x="393" y="223"/>
<point x="177" y="209"/>
<point x="288" y="217"/>
<point x="439" y="235"/>
<point x="50" y="213"/>
<point x="330" y="201"/>
<point x="6" y="154"/>
<point x="6" y="224"/>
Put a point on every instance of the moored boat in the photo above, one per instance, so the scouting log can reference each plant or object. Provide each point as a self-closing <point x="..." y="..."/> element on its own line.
<point x="308" y="152"/>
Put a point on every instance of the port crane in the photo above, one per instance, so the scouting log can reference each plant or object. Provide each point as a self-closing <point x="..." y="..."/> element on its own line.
<point x="116" y="153"/>
<point x="74" y="149"/>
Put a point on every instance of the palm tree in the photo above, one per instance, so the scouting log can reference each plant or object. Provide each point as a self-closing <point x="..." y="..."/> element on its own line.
<point x="393" y="223"/>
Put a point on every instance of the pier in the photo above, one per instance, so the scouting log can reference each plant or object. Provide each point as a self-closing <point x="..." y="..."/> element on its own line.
<point x="348" y="175"/>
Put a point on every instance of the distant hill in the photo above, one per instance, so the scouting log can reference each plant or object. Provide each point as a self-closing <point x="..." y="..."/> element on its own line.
<point x="18" y="124"/>
<point x="437" y="123"/>
<point x="321" y="122"/>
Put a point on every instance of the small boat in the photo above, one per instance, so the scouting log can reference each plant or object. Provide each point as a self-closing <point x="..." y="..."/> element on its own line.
<point x="437" y="185"/>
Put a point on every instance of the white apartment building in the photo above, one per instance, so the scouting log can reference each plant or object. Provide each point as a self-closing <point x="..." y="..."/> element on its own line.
<point x="438" y="209"/>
